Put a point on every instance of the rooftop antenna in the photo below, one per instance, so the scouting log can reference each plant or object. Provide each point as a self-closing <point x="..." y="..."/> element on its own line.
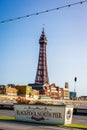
<point x="43" y="26"/>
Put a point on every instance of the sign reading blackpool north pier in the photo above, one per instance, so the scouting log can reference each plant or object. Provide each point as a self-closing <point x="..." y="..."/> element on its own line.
<point x="52" y="114"/>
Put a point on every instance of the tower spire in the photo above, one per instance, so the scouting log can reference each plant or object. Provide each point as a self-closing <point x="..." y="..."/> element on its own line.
<point x="42" y="73"/>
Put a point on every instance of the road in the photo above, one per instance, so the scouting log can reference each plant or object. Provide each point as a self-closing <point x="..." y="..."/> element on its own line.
<point x="28" y="126"/>
<point x="6" y="125"/>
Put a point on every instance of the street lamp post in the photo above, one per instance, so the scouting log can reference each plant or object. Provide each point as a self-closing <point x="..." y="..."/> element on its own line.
<point x="75" y="80"/>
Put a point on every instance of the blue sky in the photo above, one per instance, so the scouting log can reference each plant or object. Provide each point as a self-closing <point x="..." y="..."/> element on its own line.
<point x="66" y="32"/>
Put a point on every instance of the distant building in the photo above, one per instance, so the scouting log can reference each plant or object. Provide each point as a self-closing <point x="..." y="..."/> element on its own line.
<point x="10" y="85"/>
<point x="73" y="95"/>
<point x="11" y="91"/>
<point x="66" y="91"/>
<point x="60" y="92"/>
<point x="83" y="97"/>
<point x="2" y="89"/>
<point x="23" y="90"/>
<point x="38" y="87"/>
<point x="66" y="85"/>
<point x="56" y="92"/>
<point x="27" y="91"/>
<point x="51" y="90"/>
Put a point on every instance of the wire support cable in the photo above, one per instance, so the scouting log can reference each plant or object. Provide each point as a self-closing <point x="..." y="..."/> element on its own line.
<point x="42" y="12"/>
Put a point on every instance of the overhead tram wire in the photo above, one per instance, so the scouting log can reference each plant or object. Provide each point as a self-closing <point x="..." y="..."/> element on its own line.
<point x="42" y="12"/>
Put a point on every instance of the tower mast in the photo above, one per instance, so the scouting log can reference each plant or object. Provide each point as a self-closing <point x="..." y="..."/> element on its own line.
<point x="42" y="73"/>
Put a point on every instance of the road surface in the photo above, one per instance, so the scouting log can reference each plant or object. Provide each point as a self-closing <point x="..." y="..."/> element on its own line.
<point x="28" y="126"/>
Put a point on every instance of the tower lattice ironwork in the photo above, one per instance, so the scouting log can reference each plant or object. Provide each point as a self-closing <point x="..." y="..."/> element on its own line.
<point x="42" y="73"/>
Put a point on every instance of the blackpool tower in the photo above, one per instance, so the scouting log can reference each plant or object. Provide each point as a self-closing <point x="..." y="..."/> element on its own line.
<point x="42" y="73"/>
